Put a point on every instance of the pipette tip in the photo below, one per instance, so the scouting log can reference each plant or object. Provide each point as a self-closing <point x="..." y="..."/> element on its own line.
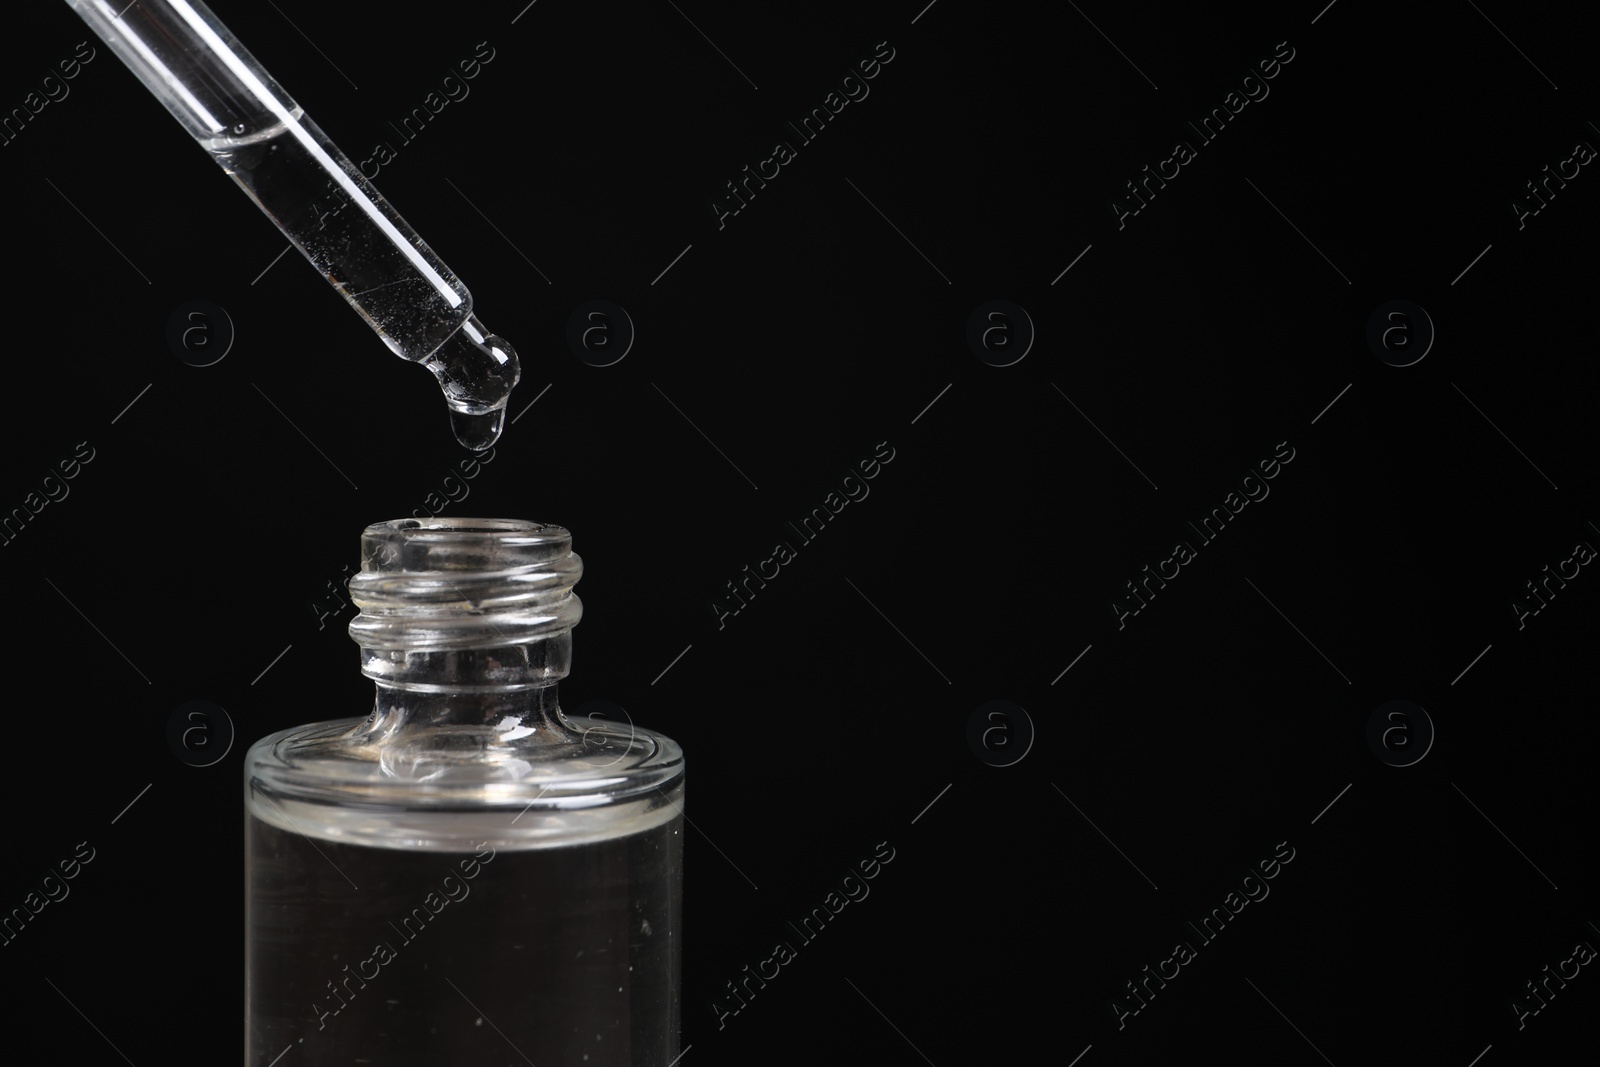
<point x="477" y="371"/>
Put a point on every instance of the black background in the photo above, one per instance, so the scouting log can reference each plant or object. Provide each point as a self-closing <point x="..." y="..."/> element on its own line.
<point x="192" y="558"/>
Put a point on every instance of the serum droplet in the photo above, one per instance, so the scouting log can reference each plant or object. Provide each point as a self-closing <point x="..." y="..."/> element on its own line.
<point x="477" y="371"/>
<point x="478" y="432"/>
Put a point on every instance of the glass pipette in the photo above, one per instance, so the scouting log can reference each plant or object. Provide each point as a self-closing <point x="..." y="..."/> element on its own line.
<point x="320" y="200"/>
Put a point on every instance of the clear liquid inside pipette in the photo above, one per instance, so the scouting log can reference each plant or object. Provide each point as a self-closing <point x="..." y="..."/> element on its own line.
<point x="423" y="312"/>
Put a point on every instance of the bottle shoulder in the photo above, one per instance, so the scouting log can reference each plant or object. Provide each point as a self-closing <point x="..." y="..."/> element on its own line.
<point x="452" y="785"/>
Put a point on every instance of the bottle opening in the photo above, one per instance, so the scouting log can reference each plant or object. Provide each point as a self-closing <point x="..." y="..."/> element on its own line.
<point x="455" y="544"/>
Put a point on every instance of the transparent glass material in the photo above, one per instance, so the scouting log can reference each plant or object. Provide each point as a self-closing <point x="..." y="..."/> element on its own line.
<point x="467" y="874"/>
<point x="321" y="201"/>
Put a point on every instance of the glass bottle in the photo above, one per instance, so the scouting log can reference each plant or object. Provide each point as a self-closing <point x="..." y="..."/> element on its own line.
<point x="466" y="875"/>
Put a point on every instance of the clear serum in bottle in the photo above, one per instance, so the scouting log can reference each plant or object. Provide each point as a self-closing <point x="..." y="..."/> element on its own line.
<point x="467" y="874"/>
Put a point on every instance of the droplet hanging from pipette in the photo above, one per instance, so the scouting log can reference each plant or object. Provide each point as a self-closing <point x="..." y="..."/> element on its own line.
<point x="478" y="432"/>
<point x="477" y="371"/>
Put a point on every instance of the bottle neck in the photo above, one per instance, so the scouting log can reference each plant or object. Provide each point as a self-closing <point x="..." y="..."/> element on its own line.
<point x="532" y="713"/>
<point x="531" y="663"/>
<point x="466" y="630"/>
<point x="467" y="623"/>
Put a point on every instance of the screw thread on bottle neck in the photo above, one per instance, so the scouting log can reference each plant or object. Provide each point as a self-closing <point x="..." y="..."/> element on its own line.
<point x="476" y="608"/>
